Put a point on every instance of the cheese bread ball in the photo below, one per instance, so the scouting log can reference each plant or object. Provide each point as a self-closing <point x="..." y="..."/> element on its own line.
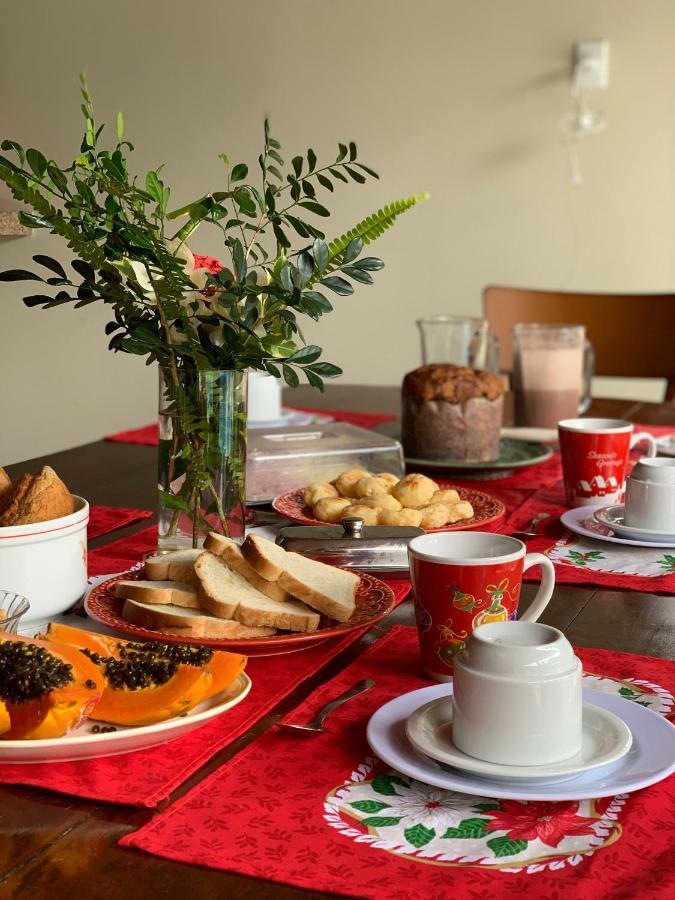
<point x="330" y="509"/>
<point x="414" y="491"/>
<point x="346" y="480"/>
<point x="434" y="516"/>
<point x="415" y="476"/>
<point x="459" y="512"/>
<point x="389" y="477"/>
<point x="400" y="517"/>
<point x="370" y="486"/>
<point x="317" y="491"/>
<point x="369" y="514"/>
<point x="381" y="501"/>
<point x="449" y="497"/>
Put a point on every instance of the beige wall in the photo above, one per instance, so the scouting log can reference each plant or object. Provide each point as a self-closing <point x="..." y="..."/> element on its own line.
<point x="458" y="97"/>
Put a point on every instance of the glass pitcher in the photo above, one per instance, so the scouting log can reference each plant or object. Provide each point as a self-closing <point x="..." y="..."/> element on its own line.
<point x="461" y="340"/>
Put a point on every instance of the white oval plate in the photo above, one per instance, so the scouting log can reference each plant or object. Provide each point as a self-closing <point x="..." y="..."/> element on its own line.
<point x="82" y="744"/>
<point x="581" y="520"/>
<point x="651" y="757"/>
<point x="605" y="739"/>
<point x="613" y="517"/>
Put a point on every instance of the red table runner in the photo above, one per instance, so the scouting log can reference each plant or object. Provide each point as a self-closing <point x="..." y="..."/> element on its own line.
<point x="146" y="777"/>
<point x="104" y="519"/>
<point x="321" y="813"/>
<point x="148" y="434"/>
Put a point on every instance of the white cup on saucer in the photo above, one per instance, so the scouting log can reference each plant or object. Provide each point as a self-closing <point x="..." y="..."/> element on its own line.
<point x="650" y="495"/>
<point x="517" y="695"/>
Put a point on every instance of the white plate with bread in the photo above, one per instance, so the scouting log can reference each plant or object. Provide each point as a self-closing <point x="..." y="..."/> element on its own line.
<point x="258" y="599"/>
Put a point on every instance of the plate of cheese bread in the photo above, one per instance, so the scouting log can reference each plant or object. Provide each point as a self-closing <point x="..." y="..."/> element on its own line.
<point x="256" y="598"/>
<point x="386" y="499"/>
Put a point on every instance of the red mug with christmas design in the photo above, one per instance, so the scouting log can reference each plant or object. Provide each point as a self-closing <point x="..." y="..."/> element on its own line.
<point x="594" y="456"/>
<point x="464" y="579"/>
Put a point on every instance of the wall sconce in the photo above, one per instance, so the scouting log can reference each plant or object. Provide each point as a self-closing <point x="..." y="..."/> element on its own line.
<point x="590" y="71"/>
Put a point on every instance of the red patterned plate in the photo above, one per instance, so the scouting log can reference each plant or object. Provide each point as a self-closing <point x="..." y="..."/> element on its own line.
<point x="486" y="509"/>
<point x="374" y="600"/>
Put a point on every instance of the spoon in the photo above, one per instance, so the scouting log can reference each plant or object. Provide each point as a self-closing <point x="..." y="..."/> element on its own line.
<point x="531" y="531"/>
<point x="316" y="725"/>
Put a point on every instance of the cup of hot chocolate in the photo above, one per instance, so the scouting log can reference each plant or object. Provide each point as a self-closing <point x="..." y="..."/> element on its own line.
<point x="594" y="455"/>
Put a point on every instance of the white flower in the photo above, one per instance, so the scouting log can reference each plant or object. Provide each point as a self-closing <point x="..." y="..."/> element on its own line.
<point x="421" y="804"/>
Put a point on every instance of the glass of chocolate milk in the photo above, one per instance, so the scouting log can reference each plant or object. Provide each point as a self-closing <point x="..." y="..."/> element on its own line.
<point x="552" y="369"/>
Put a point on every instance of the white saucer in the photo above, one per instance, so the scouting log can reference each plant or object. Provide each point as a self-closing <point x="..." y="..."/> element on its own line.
<point x="651" y="757"/>
<point x="613" y="517"/>
<point x="581" y="521"/>
<point x="605" y="740"/>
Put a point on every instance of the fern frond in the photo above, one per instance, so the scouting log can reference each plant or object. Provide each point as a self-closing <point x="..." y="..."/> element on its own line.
<point x="371" y="227"/>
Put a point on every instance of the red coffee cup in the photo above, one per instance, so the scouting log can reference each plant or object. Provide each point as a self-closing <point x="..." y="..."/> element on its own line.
<point x="594" y="455"/>
<point x="466" y="579"/>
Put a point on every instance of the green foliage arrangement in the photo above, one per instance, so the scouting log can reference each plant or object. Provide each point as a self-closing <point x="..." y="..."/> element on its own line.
<point x="202" y="320"/>
<point x="165" y="305"/>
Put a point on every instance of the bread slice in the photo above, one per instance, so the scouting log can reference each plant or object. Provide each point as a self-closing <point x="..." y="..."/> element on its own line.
<point x="164" y="593"/>
<point x="230" y="551"/>
<point x="188" y="622"/>
<point x="291" y="615"/>
<point x="268" y="559"/>
<point x="176" y="566"/>
<point x="38" y="498"/>
<point x="226" y="593"/>
<point x="332" y="591"/>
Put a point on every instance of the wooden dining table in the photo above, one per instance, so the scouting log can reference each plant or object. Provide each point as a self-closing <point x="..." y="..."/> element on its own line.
<point x="59" y="846"/>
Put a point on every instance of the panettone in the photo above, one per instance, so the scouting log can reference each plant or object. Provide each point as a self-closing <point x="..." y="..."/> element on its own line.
<point x="451" y="412"/>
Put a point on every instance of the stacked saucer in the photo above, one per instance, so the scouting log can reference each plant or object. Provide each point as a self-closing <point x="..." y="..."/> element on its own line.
<point x="516" y="723"/>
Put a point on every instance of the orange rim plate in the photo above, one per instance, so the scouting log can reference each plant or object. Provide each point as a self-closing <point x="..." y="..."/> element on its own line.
<point x="487" y="509"/>
<point x="374" y="599"/>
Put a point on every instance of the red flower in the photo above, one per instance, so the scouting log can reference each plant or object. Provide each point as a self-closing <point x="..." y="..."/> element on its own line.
<point x="550" y="822"/>
<point x="208" y="262"/>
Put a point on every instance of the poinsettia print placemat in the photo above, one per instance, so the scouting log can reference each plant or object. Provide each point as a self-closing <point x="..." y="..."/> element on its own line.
<point x="583" y="560"/>
<point x="321" y="812"/>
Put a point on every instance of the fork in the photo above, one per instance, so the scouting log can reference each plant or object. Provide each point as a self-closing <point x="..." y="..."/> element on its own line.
<point x="316" y="725"/>
<point x="531" y="531"/>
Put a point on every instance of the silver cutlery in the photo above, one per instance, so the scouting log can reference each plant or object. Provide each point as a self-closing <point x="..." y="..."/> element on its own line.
<point x="316" y="725"/>
<point x="531" y="530"/>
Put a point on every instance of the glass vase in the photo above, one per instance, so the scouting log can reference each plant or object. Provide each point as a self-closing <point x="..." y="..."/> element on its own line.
<point x="202" y="455"/>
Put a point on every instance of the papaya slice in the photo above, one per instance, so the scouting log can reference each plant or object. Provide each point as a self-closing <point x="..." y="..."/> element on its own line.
<point x="46" y="690"/>
<point x="149" y="682"/>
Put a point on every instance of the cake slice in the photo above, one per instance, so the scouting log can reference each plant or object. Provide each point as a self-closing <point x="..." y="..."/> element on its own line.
<point x="188" y="622"/>
<point x="176" y="566"/>
<point x="331" y="591"/>
<point x="268" y="559"/>
<point x="226" y="593"/>
<point x="230" y="552"/>
<point x="166" y="593"/>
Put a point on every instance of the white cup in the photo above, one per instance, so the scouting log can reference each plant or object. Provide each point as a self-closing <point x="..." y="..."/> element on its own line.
<point x="264" y="397"/>
<point x="517" y="695"/>
<point x="650" y="495"/>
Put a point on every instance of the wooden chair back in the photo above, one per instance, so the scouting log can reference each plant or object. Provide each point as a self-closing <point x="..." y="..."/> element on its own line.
<point x="632" y="334"/>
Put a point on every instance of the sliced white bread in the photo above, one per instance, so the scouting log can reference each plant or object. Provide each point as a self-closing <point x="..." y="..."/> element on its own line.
<point x="176" y="566"/>
<point x="194" y="623"/>
<point x="170" y="593"/>
<point x="225" y="593"/>
<point x="332" y="591"/>
<point x="268" y="559"/>
<point x="291" y="615"/>
<point x="231" y="553"/>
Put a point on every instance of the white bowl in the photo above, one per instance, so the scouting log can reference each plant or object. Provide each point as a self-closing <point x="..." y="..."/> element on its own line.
<point x="47" y="563"/>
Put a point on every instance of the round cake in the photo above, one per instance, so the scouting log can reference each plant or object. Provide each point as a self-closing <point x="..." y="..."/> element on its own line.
<point x="451" y="412"/>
